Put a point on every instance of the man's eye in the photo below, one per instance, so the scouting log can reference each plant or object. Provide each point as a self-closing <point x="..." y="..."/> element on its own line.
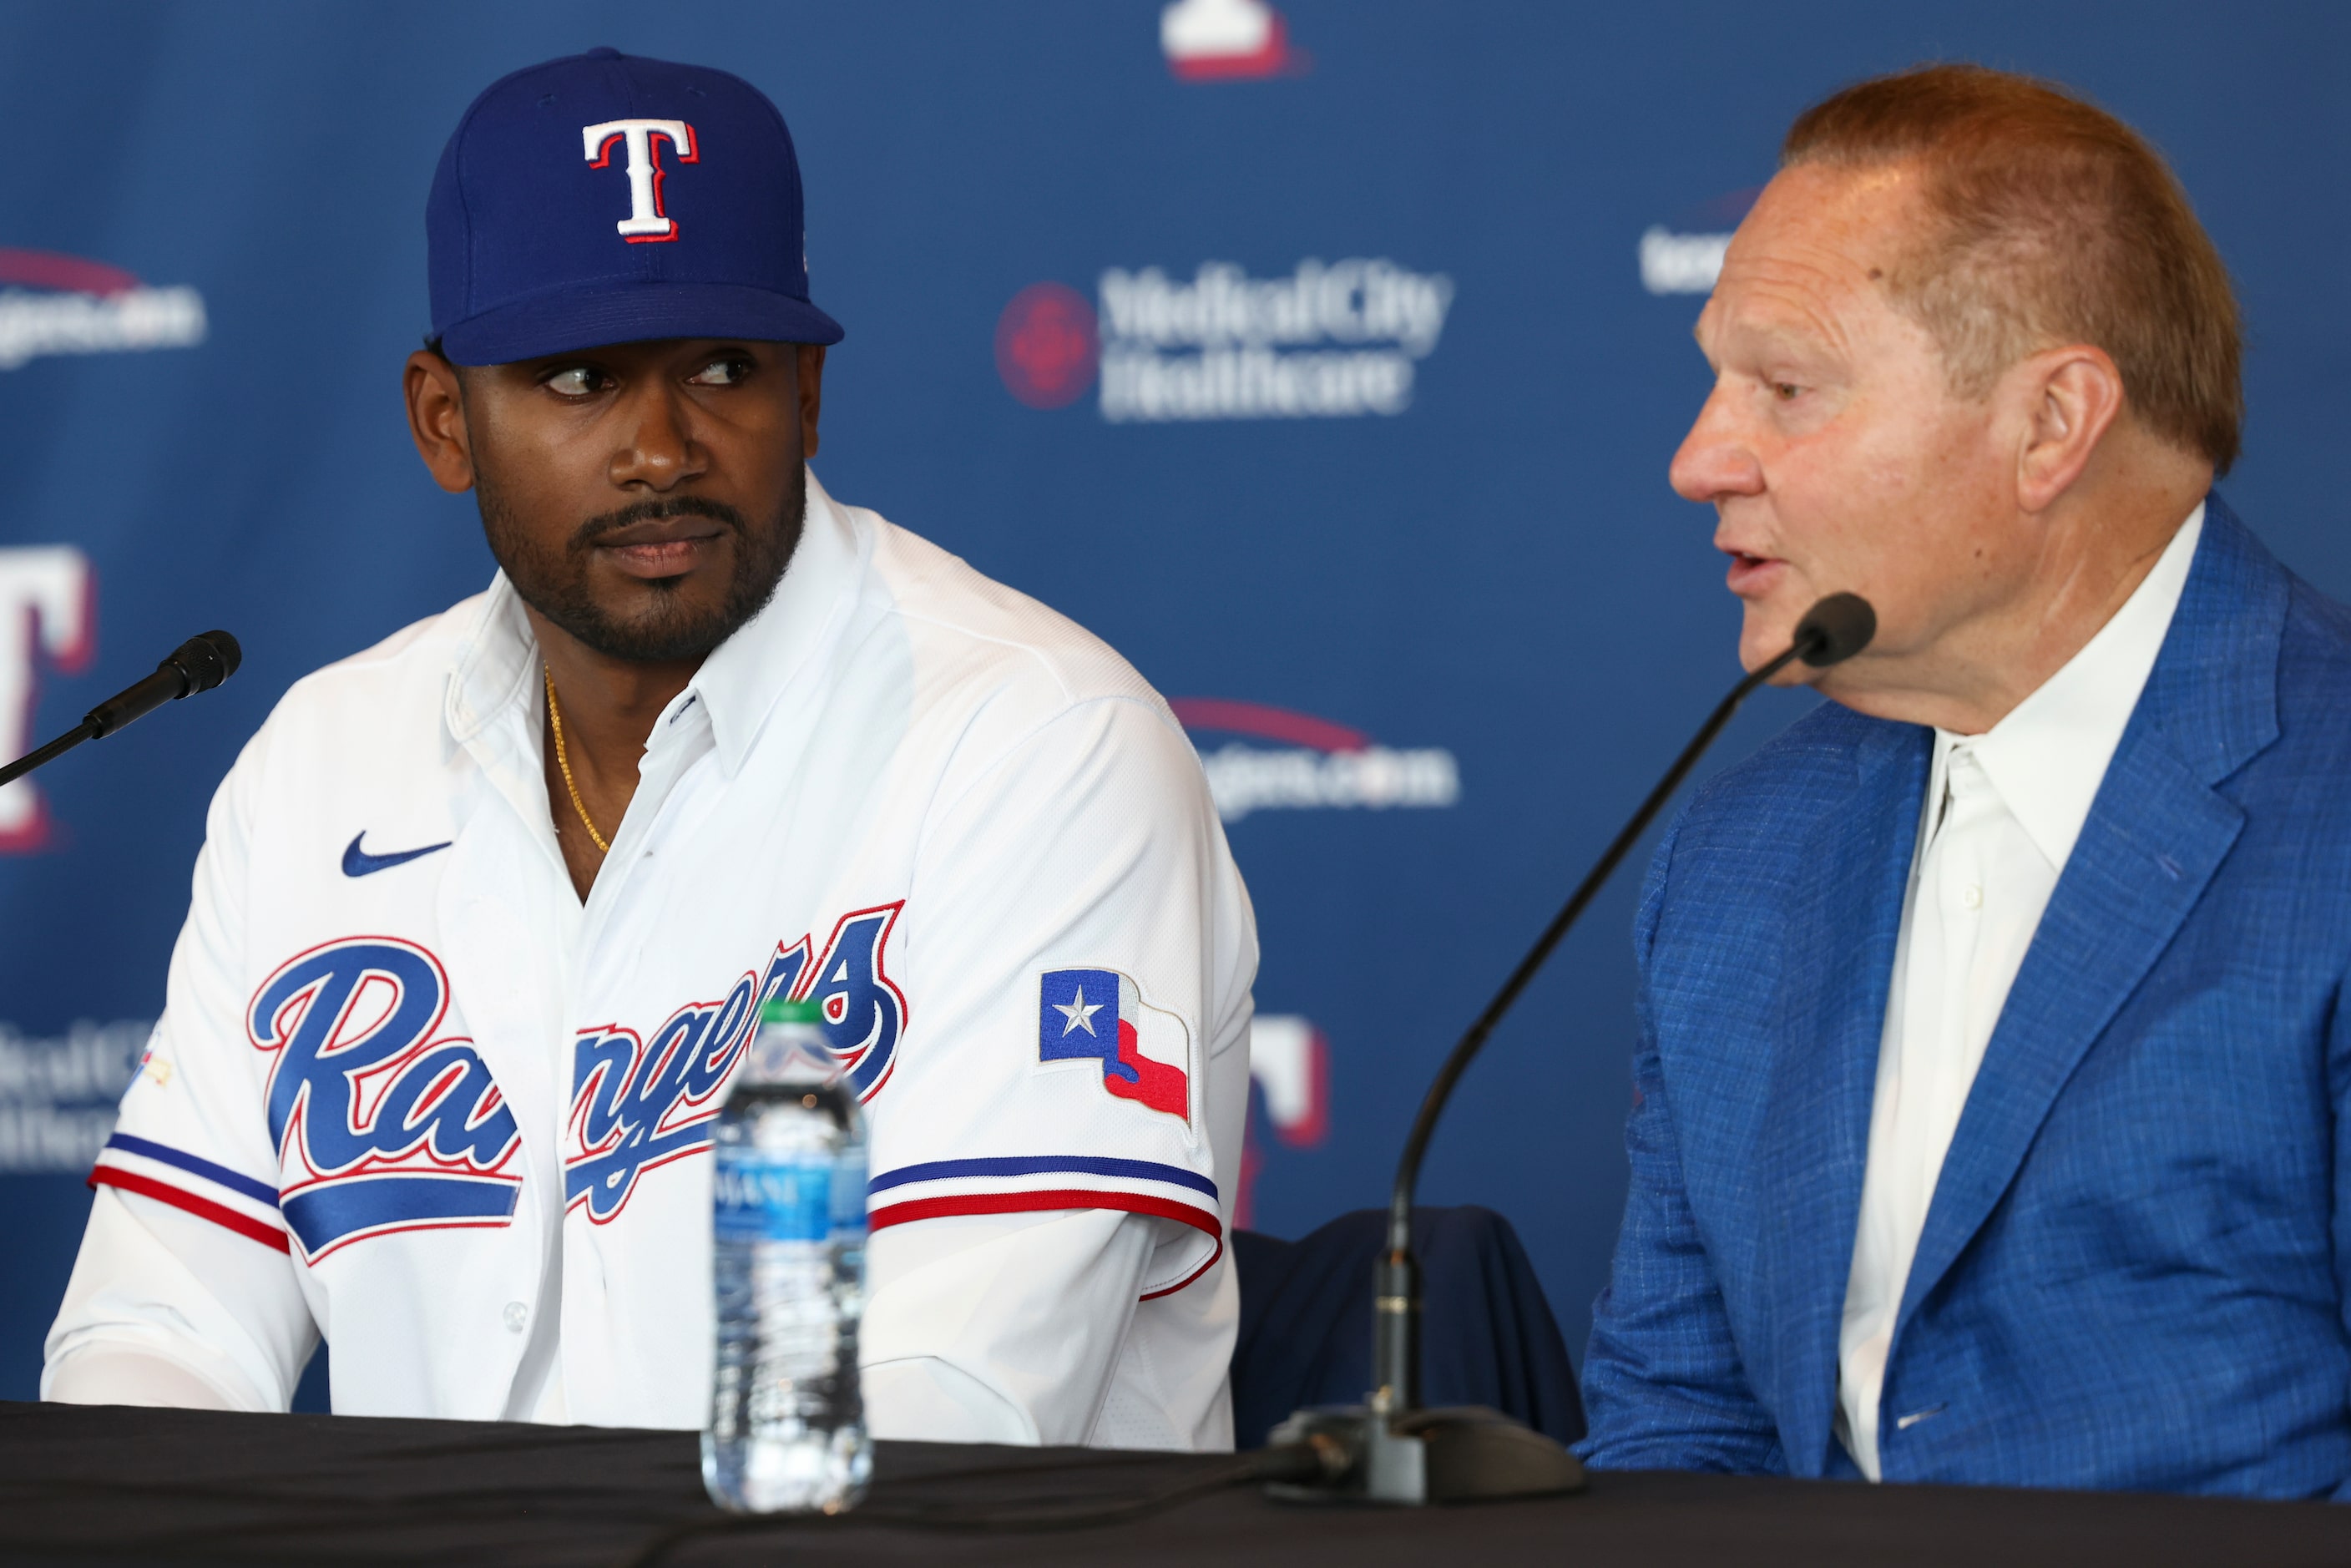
<point x="1785" y="391"/>
<point x="721" y="373"/>
<point x="578" y="380"/>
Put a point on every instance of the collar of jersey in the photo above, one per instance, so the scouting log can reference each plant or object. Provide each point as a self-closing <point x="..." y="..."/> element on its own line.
<point x="737" y="685"/>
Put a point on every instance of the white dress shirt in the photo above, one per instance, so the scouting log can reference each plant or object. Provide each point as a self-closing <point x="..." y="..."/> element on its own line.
<point x="2002" y="811"/>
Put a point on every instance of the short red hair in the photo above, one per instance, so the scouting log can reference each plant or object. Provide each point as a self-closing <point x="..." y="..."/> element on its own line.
<point x="2052" y="222"/>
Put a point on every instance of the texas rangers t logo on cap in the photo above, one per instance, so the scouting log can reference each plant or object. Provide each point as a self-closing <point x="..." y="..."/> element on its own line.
<point x="519" y="253"/>
<point x="646" y="222"/>
<point x="1101" y="1013"/>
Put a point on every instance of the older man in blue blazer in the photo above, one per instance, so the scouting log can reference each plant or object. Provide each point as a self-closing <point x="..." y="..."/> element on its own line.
<point x="1992" y="1099"/>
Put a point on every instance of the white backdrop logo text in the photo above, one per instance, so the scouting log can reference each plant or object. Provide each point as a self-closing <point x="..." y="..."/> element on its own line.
<point x="1330" y="340"/>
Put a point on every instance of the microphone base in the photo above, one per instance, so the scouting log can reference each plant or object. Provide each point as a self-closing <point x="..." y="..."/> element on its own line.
<point x="1463" y="1453"/>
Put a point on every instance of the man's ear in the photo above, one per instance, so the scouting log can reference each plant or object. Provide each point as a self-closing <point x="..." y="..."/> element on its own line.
<point x="436" y="420"/>
<point x="811" y="369"/>
<point x="2076" y="394"/>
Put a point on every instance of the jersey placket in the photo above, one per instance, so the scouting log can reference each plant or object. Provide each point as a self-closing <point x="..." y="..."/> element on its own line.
<point x="674" y="781"/>
<point x="508" y="925"/>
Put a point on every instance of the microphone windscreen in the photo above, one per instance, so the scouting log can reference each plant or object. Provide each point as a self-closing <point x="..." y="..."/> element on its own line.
<point x="207" y="660"/>
<point x="1834" y="629"/>
<point x="230" y="654"/>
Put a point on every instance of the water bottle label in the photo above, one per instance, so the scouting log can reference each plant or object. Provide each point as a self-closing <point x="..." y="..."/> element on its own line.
<point x="849" y="1192"/>
<point x="757" y="1197"/>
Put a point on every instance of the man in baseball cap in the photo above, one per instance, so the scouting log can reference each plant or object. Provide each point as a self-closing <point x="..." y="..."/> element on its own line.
<point x="486" y="913"/>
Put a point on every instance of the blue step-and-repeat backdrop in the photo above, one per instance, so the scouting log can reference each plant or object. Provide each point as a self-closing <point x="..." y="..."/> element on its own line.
<point x="1348" y="339"/>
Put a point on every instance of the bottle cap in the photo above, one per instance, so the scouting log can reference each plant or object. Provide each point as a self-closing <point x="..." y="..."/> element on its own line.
<point x="784" y="1010"/>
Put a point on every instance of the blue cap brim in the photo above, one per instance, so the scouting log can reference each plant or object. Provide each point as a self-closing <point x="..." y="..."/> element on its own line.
<point x="562" y="322"/>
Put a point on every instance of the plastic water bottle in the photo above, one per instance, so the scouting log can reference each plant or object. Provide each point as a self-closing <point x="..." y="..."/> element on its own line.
<point x="787" y="1427"/>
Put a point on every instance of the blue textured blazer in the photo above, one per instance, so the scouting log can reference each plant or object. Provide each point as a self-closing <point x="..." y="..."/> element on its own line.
<point x="2135" y="1269"/>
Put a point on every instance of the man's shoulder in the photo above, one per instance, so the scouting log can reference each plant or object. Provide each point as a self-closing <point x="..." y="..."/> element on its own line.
<point x="978" y="639"/>
<point x="2268" y="645"/>
<point x="1806" y="770"/>
<point x="420" y="654"/>
<point x="2315" y="652"/>
<point x="367" y="698"/>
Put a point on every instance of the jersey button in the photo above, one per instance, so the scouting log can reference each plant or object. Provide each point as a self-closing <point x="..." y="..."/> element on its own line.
<point x="516" y="1316"/>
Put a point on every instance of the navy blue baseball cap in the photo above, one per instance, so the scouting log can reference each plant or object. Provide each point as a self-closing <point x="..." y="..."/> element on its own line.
<point x="607" y="198"/>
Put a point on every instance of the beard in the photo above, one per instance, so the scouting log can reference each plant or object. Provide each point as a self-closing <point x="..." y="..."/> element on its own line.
<point x="553" y="579"/>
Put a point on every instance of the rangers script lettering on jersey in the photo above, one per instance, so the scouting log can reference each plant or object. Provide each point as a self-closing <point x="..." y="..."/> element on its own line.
<point x="410" y="1094"/>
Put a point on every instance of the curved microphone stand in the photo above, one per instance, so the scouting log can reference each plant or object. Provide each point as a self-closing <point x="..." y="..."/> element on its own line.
<point x="1392" y="1450"/>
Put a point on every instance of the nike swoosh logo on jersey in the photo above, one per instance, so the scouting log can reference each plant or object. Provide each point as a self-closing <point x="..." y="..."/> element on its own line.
<point x="357" y="862"/>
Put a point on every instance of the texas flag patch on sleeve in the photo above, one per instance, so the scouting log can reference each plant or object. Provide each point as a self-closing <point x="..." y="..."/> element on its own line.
<point x="1101" y="1014"/>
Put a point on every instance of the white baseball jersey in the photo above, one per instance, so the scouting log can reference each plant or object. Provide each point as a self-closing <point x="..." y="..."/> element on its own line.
<point x="409" y="1088"/>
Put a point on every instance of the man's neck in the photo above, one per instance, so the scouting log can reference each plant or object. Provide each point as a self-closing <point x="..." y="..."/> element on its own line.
<point x="607" y="708"/>
<point x="1981" y="679"/>
<point x="1970" y="679"/>
<point x="609" y="705"/>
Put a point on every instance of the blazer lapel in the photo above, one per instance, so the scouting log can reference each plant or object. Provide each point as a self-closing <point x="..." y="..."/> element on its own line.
<point x="1842" y="925"/>
<point x="2155" y="834"/>
<point x="2132" y="878"/>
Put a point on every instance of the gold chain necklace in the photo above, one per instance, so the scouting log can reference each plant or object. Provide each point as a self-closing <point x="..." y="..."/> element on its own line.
<point x="555" y="720"/>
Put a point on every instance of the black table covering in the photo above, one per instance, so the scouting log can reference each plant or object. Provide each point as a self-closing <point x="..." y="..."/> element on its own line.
<point x="110" y="1486"/>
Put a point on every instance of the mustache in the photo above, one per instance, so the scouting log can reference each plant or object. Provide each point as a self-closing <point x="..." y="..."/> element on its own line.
<point x="654" y="511"/>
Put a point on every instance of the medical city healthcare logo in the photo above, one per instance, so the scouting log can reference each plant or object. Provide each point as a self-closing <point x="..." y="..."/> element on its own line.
<point x="1045" y="345"/>
<point x="58" y="1095"/>
<point x="1328" y="340"/>
<point x="53" y="304"/>
<point x="1317" y="764"/>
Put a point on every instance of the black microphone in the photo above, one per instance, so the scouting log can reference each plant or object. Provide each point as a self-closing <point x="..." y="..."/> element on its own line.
<point x="1832" y="631"/>
<point x="198" y="665"/>
<point x="1392" y="1450"/>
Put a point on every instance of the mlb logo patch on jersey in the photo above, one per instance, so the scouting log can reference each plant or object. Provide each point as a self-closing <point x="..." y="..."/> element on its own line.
<point x="1101" y="1014"/>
